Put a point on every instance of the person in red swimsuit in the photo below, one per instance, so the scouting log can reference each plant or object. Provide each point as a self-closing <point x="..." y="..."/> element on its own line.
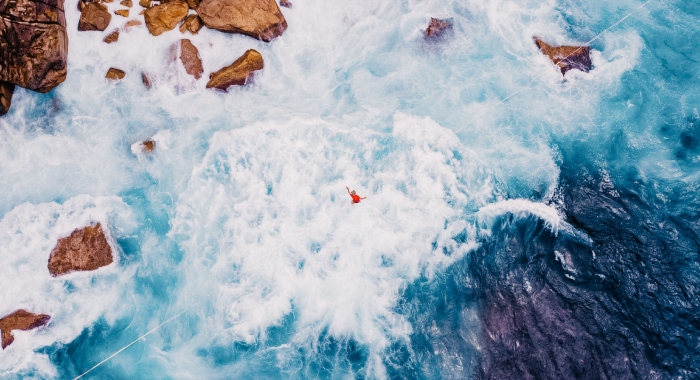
<point x="355" y="198"/>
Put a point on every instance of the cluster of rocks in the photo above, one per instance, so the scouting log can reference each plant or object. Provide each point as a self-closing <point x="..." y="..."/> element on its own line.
<point x="86" y="249"/>
<point x="261" y="19"/>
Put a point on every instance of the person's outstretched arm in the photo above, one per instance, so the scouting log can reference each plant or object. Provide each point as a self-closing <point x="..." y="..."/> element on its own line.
<point x="364" y="198"/>
<point x="348" y="190"/>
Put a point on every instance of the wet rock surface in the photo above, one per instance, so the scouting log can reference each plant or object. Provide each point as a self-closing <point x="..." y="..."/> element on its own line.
<point x="567" y="57"/>
<point x="192" y="24"/>
<point x="20" y="320"/>
<point x="623" y="305"/>
<point x="149" y="145"/>
<point x="85" y="249"/>
<point x="261" y="19"/>
<point x="33" y="44"/>
<point x="238" y="73"/>
<point x="112" y="37"/>
<point x="6" y="91"/>
<point x="115" y="74"/>
<point x="189" y="56"/>
<point x="165" y="17"/>
<point x="94" y="16"/>
<point x="437" y="28"/>
<point x="285" y="3"/>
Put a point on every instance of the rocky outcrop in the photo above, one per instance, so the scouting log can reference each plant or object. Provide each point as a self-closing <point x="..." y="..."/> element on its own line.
<point x="437" y="28"/>
<point x="285" y="3"/>
<point x="193" y="3"/>
<point x="260" y="19"/>
<point x="85" y="249"/>
<point x="20" y="320"/>
<point x="189" y="56"/>
<point x="115" y="75"/>
<point x="149" y="145"/>
<point x="192" y="23"/>
<point x="112" y="37"/>
<point x="165" y="17"/>
<point x="6" y="90"/>
<point x="33" y="44"/>
<point x="94" y="16"/>
<point x="567" y="57"/>
<point x="145" y="3"/>
<point x="238" y="72"/>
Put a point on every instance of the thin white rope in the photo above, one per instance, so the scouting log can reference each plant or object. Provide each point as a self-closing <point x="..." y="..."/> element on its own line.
<point x="542" y="73"/>
<point x="141" y="337"/>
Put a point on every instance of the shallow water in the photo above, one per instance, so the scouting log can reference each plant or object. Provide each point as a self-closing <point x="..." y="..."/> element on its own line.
<point x="555" y="236"/>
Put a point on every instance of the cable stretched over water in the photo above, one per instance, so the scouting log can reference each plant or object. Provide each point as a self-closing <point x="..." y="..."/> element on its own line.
<point x="542" y="73"/>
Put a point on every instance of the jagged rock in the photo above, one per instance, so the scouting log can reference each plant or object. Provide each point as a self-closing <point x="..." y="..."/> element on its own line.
<point x="6" y="90"/>
<point x="20" y="320"/>
<point x="164" y="17"/>
<point x="145" y="3"/>
<point x="189" y="56"/>
<point x="192" y="23"/>
<point x="437" y="28"/>
<point x="112" y="37"/>
<point x="149" y="145"/>
<point x="146" y="81"/>
<point x="238" y="72"/>
<point x="132" y="23"/>
<point x="33" y="44"/>
<point x="260" y="19"/>
<point x="122" y="12"/>
<point x="285" y="3"/>
<point x="115" y="74"/>
<point x="94" y="16"/>
<point x="193" y="3"/>
<point x="107" y="1"/>
<point x="127" y="3"/>
<point x="567" y="57"/>
<point x="85" y="249"/>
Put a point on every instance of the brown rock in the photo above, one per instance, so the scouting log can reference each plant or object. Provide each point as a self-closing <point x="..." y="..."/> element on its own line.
<point x="145" y="3"/>
<point x="122" y="12"/>
<point x="193" y="3"/>
<point x="164" y="17"/>
<point x="115" y="74"/>
<point x="285" y="3"/>
<point x="149" y="145"/>
<point x="189" y="56"/>
<point x="94" y="16"/>
<point x="20" y="320"/>
<point x="567" y="57"/>
<point x="146" y="81"/>
<point x="112" y="37"/>
<point x="132" y="23"/>
<point x="127" y="3"/>
<point x="84" y="250"/>
<point x="33" y="44"/>
<point x="437" y="28"/>
<point x="260" y="19"/>
<point x="238" y="73"/>
<point x="108" y="1"/>
<point x="6" y="90"/>
<point x="192" y="23"/>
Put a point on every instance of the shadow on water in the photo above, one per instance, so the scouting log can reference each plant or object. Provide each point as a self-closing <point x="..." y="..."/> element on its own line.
<point x="623" y="305"/>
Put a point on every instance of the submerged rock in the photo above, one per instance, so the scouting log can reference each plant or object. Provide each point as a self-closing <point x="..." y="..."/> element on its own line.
<point x="130" y="24"/>
<point x="6" y="90"/>
<point x="115" y="74"/>
<point x="260" y="19"/>
<point x="567" y="57"/>
<point x="192" y="23"/>
<point x="146" y="81"/>
<point x="85" y="249"/>
<point x="20" y="320"/>
<point x="165" y="17"/>
<point x="437" y="28"/>
<point x="238" y="72"/>
<point x="112" y="37"/>
<point x="189" y="56"/>
<point x="33" y="44"/>
<point x="94" y="16"/>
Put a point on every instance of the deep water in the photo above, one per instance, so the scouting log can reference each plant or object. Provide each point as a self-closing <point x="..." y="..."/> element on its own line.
<point x="555" y="236"/>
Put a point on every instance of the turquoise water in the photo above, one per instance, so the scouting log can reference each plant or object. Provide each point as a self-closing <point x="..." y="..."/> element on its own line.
<point x="242" y="207"/>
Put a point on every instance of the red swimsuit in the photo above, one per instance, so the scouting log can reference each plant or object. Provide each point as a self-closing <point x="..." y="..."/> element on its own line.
<point x="355" y="198"/>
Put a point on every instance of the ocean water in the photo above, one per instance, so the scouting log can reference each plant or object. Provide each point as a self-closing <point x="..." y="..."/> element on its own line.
<point x="554" y="236"/>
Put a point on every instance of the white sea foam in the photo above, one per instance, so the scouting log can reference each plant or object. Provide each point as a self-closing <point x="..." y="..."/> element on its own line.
<point x="74" y="301"/>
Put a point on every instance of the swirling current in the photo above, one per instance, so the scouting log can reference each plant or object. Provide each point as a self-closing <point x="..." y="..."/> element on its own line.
<point x="555" y="235"/>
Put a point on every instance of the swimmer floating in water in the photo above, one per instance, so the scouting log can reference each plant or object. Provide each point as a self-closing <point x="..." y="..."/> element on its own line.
<point x="355" y="198"/>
